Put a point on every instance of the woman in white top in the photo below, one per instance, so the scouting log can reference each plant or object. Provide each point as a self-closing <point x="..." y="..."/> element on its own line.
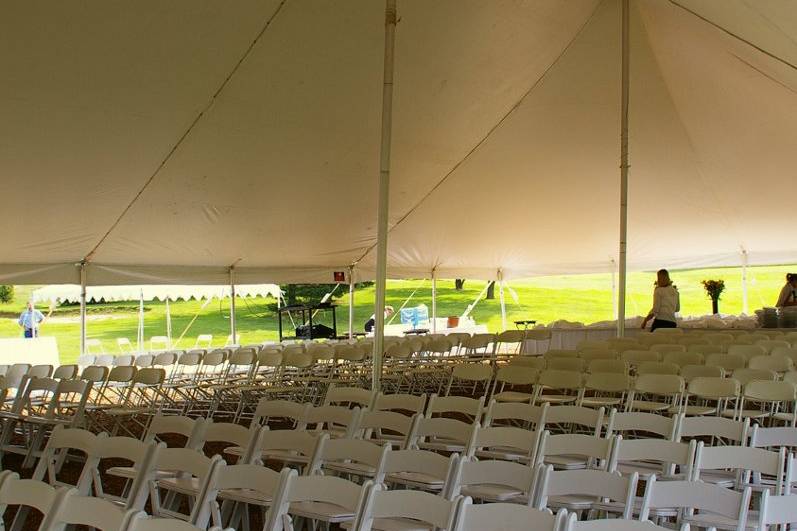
<point x="666" y="303"/>
<point x="788" y="295"/>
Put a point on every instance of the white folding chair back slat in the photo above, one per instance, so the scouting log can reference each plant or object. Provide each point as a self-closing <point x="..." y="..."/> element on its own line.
<point x="510" y="517"/>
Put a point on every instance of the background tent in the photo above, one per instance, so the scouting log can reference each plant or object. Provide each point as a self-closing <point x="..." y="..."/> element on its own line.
<point x="165" y="142"/>
<point x="71" y="292"/>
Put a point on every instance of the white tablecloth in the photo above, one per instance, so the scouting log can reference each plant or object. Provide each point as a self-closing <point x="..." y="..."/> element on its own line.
<point x="39" y="351"/>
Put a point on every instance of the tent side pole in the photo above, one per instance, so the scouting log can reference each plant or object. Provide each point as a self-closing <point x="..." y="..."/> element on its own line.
<point x="82" y="308"/>
<point x="233" y="331"/>
<point x="502" y="299"/>
<point x="614" y="289"/>
<point x="384" y="193"/>
<point x="623" y="170"/>
<point x="434" y="301"/>
<point x="140" y="338"/>
<point x="745" y="307"/>
<point x="351" y="302"/>
<point x="168" y="322"/>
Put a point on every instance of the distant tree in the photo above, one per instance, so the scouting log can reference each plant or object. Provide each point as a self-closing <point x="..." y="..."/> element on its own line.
<point x="459" y="284"/>
<point x="313" y="293"/>
<point x="6" y="293"/>
<point x="490" y="290"/>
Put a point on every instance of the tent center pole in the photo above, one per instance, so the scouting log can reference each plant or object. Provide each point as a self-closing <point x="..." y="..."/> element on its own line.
<point x="434" y="300"/>
<point x="82" y="307"/>
<point x="502" y="299"/>
<point x="351" y="302"/>
<point x="623" y="170"/>
<point x="384" y="193"/>
<point x="233" y="331"/>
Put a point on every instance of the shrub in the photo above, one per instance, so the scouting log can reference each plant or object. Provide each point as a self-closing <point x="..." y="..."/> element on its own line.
<point x="6" y="294"/>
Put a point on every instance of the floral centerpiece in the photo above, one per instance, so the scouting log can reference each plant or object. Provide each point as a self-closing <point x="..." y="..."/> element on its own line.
<point x="714" y="289"/>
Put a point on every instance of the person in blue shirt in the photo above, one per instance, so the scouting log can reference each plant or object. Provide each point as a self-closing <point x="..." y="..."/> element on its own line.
<point x="30" y="320"/>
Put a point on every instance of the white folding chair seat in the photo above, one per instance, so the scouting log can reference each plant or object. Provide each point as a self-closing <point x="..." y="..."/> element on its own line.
<point x="140" y="454"/>
<point x="193" y="473"/>
<point x="593" y="354"/>
<point x="690" y="372"/>
<point x="506" y="443"/>
<point x="770" y="344"/>
<point x="442" y="434"/>
<point x="242" y="485"/>
<point x="27" y="494"/>
<point x="777" y="511"/>
<point x="327" y="499"/>
<point x="494" y="481"/>
<point x="574" y="451"/>
<point x="566" y="387"/>
<point x="605" y="389"/>
<point x="516" y="414"/>
<point x="655" y="392"/>
<point x="585" y="490"/>
<point x="388" y="426"/>
<point x="512" y="517"/>
<point x="350" y="396"/>
<point x="471" y="408"/>
<point x="711" y="396"/>
<point x="647" y="457"/>
<point x="72" y="508"/>
<point x="408" y="403"/>
<point x="614" y="366"/>
<point x="774" y="400"/>
<point x="349" y="457"/>
<point x="290" y="447"/>
<point x="713" y="506"/>
<point x="509" y="378"/>
<point x="640" y="424"/>
<point x="468" y="377"/>
<point x="394" y="510"/>
<point x="721" y="430"/>
<point x="747" y="351"/>
<point x="566" y="364"/>
<point x="728" y="362"/>
<point x="418" y="469"/>
<point x="337" y="421"/>
<point x="532" y="362"/>
<point x="609" y="524"/>
<point x="142" y="522"/>
<point x="768" y="467"/>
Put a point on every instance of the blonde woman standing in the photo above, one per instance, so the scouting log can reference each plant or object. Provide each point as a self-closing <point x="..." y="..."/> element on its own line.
<point x="666" y="303"/>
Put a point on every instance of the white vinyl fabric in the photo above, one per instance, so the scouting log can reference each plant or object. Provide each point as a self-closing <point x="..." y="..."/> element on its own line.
<point x="71" y="292"/>
<point x="164" y="142"/>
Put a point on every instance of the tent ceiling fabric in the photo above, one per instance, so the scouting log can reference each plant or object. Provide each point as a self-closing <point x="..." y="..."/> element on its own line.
<point x="505" y="138"/>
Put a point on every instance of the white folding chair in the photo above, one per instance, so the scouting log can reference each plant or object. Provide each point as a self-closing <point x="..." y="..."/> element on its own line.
<point x="586" y="491"/>
<point x="506" y="443"/>
<point x="494" y="481"/>
<point x="697" y="503"/>
<point x="72" y="508"/>
<point x="419" y="469"/>
<point x="572" y="451"/>
<point x="511" y="516"/>
<point x="327" y="499"/>
<point x="391" y="509"/>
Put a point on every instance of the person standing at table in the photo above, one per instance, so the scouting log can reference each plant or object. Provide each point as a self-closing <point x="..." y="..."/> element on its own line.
<point x="788" y="294"/>
<point x="666" y="303"/>
<point x="30" y="320"/>
<point x="369" y="324"/>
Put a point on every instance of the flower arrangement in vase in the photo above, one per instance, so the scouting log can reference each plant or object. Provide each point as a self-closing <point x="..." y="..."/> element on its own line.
<point x="714" y="289"/>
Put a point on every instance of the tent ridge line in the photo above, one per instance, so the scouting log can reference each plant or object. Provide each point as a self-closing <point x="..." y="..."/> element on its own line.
<point x="188" y="130"/>
<point x="490" y="132"/>
<point x="735" y="36"/>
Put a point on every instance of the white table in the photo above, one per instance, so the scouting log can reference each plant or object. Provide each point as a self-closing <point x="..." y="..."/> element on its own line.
<point x="38" y="351"/>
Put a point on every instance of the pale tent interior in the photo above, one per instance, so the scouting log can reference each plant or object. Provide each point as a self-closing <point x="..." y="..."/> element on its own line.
<point x="163" y="142"/>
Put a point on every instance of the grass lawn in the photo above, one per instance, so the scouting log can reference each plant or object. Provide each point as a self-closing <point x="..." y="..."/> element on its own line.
<point x="585" y="298"/>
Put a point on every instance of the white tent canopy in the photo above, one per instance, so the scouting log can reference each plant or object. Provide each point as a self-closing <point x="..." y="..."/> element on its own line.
<point x="163" y="142"/>
<point x="71" y="292"/>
